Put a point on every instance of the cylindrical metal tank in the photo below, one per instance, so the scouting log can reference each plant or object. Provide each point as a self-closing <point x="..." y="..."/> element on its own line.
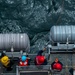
<point x="61" y="33"/>
<point x="17" y="41"/>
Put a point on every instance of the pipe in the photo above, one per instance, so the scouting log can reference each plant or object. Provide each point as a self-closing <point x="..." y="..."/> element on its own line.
<point x="62" y="52"/>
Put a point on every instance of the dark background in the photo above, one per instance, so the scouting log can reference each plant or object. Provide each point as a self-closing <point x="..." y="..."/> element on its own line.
<point x="35" y="17"/>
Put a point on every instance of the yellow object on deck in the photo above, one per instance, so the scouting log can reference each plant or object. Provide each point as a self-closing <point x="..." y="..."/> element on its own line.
<point x="5" y="61"/>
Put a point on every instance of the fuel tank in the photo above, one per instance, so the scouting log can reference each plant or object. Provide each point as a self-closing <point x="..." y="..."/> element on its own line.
<point x="17" y="41"/>
<point x="62" y="33"/>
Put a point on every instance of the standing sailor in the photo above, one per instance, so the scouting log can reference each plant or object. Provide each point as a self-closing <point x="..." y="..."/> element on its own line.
<point x="57" y="65"/>
<point x="40" y="59"/>
<point x="24" y="61"/>
<point x="6" y="62"/>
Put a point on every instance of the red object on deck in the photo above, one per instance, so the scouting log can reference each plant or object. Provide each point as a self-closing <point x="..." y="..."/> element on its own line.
<point x="25" y="63"/>
<point x="57" y="66"/>
<point x="39" y="60"/>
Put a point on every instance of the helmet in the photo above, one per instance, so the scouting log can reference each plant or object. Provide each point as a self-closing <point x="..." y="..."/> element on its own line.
<point x="4" y="59"/>
<point x="40" y="59"/>
<point x="23" y="58"/>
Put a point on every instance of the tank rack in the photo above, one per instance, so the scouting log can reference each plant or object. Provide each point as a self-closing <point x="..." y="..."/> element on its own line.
<point x="62" y="48"/>
<point x="44" y="70"/>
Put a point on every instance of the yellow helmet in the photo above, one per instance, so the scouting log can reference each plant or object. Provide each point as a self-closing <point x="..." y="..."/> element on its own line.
<point x="5" y="59"/>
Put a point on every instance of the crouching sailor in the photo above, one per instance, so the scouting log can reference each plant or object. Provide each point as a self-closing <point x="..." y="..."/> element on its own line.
<point x="24" y="61"/>
<point x="40" y="59"/>
<point x="6" y="62"/>
<point x="57" y="65"/>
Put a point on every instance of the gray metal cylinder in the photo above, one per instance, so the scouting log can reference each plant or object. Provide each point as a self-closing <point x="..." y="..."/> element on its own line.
<point x="61" y="33"/>
<point x="17" y="41"/>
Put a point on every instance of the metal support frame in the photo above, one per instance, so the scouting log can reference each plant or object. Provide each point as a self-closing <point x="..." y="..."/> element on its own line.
<point x="28" y="69"/>
<point x="17" y="71"/>
<point x="59" y="49"/>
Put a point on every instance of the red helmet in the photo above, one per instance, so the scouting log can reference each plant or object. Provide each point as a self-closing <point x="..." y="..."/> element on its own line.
<point x="57" y="66"/>
<point x="40" y="60"/>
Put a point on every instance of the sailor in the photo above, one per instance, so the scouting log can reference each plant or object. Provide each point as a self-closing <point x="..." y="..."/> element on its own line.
<point x="6" y="62"/>
<point x="40" y="59"/>
<point x="71" y="71"/>
<point x="56" y="65"/>
<point x="24" y="61"/>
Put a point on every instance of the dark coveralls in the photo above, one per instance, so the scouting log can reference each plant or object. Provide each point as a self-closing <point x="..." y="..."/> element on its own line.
<point x="71" y="71"/>
<point x="40" y="54"/>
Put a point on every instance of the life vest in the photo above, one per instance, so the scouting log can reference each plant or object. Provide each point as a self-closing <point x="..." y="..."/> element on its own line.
<point x="39" y="60"/>
<point x="57" y="66"/>
<point x="25" y="63"/>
